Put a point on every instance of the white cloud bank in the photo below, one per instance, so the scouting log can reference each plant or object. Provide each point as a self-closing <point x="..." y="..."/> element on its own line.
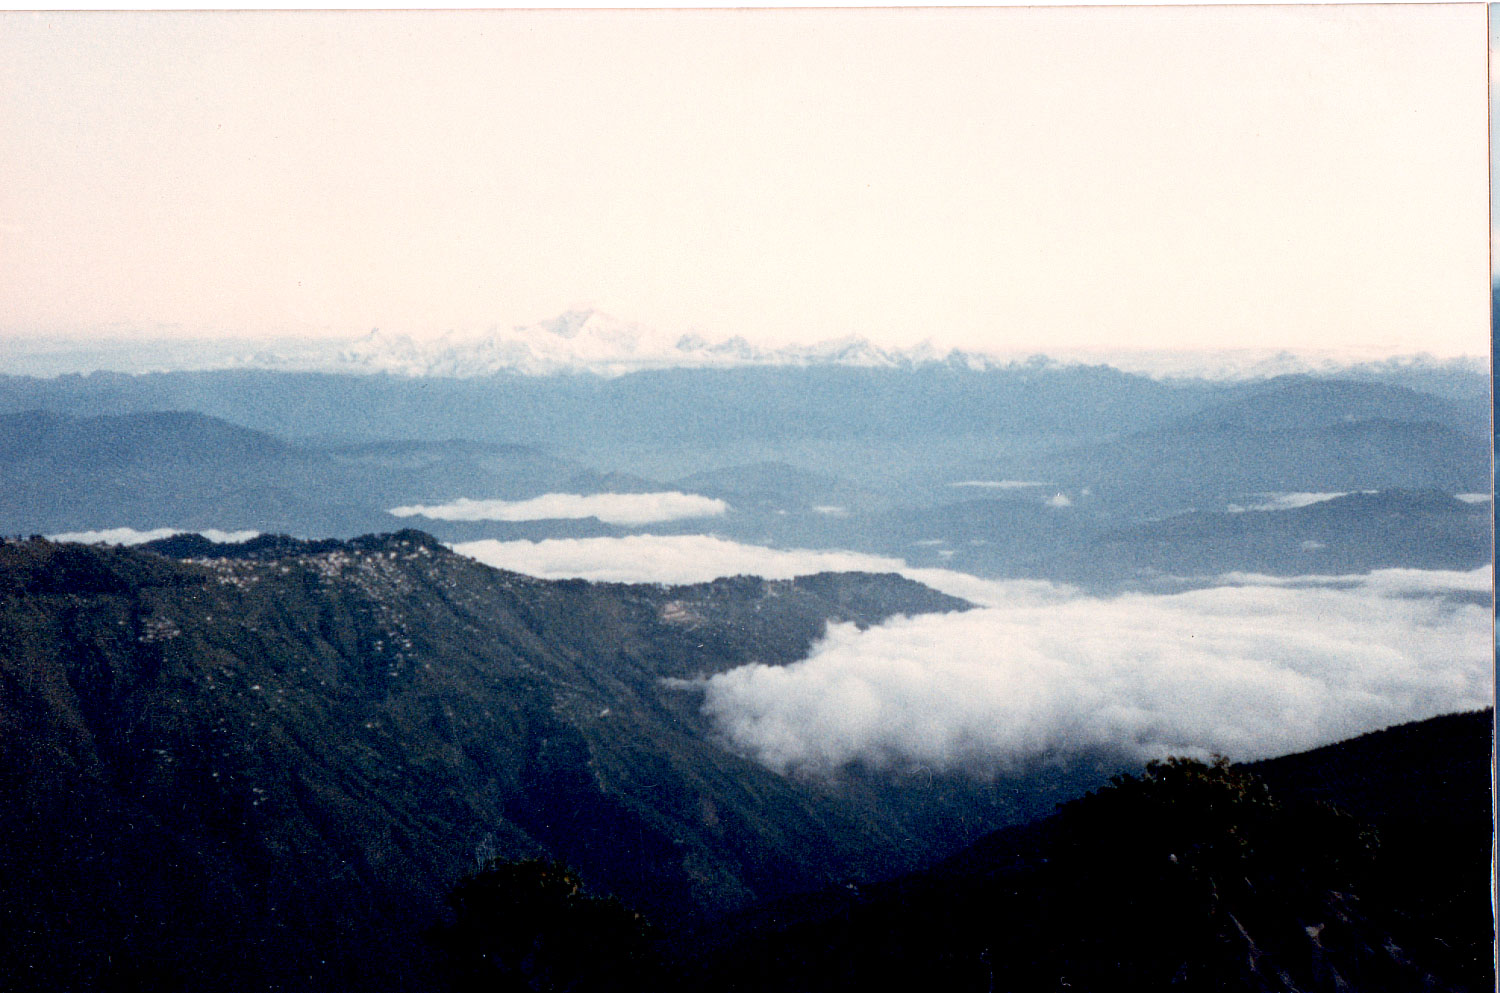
<point x="1287" y="501"/>
<point x="1247" y="670"/>
<point x="1255" y="666"/>
<point x="130" y="536"/>
<point x="610" y="508"/>
<point x="664" y="559"/>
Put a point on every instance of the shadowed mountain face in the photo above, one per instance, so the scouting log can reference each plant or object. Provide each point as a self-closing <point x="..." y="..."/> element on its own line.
<point x="1190" y="877"/>
<point x="270" y="761"/>
<point x="262" y="766"/>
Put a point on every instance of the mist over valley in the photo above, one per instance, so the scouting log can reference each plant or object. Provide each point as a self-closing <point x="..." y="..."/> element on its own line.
<point x="747" y="501"/>
<point x="300" y="655"/>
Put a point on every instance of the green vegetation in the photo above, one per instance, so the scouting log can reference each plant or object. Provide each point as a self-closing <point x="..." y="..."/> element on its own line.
<point x="264" y="766"/>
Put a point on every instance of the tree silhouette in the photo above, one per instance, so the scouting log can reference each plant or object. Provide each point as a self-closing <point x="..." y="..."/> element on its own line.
<point x="530" y="926"/>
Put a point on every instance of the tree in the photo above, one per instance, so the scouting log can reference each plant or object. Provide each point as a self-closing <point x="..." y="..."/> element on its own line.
<point x="531" y="926"/>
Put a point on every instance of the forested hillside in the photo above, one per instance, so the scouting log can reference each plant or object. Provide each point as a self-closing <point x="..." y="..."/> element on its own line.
<point x="268" y="766"/>
<point x="1360" y="866"/>
<point x="270" y="761"/>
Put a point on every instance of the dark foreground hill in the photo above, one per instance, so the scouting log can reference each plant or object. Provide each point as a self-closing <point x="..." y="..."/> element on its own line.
<point x="1362" y="866"/>
<point x="261" y="766"/>
<point x="265" y="766"/>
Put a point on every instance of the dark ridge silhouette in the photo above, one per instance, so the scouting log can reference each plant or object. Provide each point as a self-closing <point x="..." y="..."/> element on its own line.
<point x="1193" y="876"/>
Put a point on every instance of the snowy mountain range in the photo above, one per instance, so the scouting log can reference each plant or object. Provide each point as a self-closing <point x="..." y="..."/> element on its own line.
<point x="592" y="341"/>
<point x="589" y="340"/>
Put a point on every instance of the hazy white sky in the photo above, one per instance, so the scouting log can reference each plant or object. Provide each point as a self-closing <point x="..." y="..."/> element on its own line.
<point x="1068" y="177"/>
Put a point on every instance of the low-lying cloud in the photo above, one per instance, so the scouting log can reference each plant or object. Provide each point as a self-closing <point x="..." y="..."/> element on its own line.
<point x="1254" y="668"/>
<point x="628" y="509"/>
<point x="130" y="536"/>
<point x="1250" y="667"/>
<point x="664" y="559"/>
<point x="1286" y="501"/>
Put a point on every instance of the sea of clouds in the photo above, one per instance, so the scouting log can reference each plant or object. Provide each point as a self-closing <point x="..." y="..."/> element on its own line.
<point x="628" y="509"/>
<point x="1247" y="670"/>
<point x="1250" y="667"/>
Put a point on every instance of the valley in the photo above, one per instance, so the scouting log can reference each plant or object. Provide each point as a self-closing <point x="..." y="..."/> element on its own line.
<point x="279" y="678"/>
<point x="1127" y="477"/>
<point x="805" y="500"/>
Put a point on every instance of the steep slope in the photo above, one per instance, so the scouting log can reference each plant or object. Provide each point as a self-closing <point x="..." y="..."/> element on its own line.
<point x="1192" y="877"/>
<point x="262" y="766"/>
<point x="1419" y="786"/>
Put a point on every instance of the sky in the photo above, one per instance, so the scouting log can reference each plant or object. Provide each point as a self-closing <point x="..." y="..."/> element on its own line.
<point x="1494" y="126"/>
<point x="1069" y="178"/>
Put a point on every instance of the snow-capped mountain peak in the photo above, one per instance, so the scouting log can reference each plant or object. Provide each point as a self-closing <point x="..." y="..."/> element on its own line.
<point x="591" y="340"/>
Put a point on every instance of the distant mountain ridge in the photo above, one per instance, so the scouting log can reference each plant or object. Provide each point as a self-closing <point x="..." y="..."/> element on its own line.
<point x="162" y="434"/>
<point x="1076" y="474"/>
<point x="191" y="470"/>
